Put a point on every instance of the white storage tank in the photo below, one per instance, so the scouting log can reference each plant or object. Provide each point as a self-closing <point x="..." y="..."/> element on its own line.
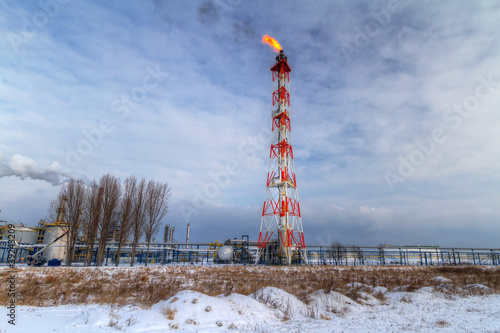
<point x="23" y="235"/>
<point x="58" y="249"/>
<point x="225" y="253"/>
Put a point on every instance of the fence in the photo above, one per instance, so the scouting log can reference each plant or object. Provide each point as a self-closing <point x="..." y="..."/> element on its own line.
<point x="316" y="255"/>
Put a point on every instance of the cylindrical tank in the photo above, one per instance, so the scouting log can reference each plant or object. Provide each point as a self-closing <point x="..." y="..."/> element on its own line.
<point x="58" y="249"/>
<point x="225" y="253"/>
<point x="24" y="235"/>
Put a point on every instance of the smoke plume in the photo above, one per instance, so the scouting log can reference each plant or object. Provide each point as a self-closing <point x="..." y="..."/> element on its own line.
<point x="26" y="168"/>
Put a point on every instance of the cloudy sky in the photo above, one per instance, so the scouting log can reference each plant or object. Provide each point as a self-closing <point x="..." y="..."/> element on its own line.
<point x="395" y="112"/>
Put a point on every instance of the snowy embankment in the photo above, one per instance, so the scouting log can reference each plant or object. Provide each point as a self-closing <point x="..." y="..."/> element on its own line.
<point x="362" y="308"/>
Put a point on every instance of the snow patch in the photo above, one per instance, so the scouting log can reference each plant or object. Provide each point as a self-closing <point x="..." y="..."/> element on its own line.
<point x="422" y="311"/>
<point x="441" y="279"/>
<point x="189" y="309"/>
<point x="322" y="303"/>
<point x="477" y="286"/>
<point x="287" y="305"/>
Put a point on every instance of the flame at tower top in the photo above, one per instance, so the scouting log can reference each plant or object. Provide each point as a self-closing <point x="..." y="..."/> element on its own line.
<point x="266" y="39"/>
<point x="281" y="216"/>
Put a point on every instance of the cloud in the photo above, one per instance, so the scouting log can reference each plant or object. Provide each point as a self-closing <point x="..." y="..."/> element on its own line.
<point x="351" y="121"/>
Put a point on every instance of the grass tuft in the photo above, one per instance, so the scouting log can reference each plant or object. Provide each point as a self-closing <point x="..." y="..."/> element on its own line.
<point x="168" y="312"/>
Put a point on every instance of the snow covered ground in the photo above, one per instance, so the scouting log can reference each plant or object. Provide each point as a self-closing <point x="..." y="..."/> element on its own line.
<point x="271" y="309"/>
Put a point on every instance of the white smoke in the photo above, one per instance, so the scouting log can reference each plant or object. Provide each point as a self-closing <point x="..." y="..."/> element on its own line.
<point x="26" y="168"/>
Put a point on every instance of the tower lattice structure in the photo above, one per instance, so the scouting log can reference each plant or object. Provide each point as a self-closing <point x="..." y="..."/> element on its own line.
<point x="281" y="215"/>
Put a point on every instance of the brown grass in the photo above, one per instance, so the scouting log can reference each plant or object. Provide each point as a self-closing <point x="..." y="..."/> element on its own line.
<point x="442" y="324"/>
<point x="169" y="312"/>
<point x="145" y="286"/>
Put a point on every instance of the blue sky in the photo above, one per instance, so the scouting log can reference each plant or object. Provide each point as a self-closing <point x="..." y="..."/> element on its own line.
<point x="394" y="112"/>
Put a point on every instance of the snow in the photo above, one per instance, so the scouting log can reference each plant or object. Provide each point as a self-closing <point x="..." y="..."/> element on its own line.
<point x="273" y="309"/>
<point x="441" y="279"/>
<point x="323" y="304"/>
<point x="477" y="286"/>
<point x="287" y="306"/>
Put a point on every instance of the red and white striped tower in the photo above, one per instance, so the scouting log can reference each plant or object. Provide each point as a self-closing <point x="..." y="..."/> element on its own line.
<point x="281" y="211"/>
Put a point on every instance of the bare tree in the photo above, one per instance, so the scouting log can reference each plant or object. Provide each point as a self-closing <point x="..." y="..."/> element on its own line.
<point x="337" y="252"/>
<point x="92" y="213"/>
<point x="52" y="210"/>
<point x="126" y="208"/>
<point x="111" y="197"/>
<point x="156" y="206"/>
<point x="137" y="222"/>
<point x="74" y="192"/>
<point x="356" y="253"/>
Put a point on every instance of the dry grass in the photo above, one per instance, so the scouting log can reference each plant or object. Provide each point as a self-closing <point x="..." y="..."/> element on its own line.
<point x="442" y="324"/>
<point x="380" y="296"/>
<point x="169" y="312"/>
<point x="145" y="286"/>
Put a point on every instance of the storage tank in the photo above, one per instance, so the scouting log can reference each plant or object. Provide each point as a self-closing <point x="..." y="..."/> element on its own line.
<point x="23" y="235"/>
<point x="225" y="253"/>
<point x="58" y="249"/>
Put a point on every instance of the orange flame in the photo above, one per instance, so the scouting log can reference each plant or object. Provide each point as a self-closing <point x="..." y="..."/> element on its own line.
<point x="266" y="39"/>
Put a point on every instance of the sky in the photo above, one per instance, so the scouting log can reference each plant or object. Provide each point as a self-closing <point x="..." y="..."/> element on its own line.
<point x="394" y="110"/>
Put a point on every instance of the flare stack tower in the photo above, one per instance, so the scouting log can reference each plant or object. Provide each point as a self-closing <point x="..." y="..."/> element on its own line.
<point x="281" y="215"/>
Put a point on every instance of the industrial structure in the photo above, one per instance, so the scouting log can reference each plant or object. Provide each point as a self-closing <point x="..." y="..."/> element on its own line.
<point x="47" y="242"/>
<point x="34" y="240"/>
<point x="165" y="234"/>
<point x="188" y="233"/>
<point x="49" y="232"/>
<point x="281" y="215"/>
<point x="243" y="251"/>
<point x="281" y="237"/>
<point x="114" y="228"/>
<point x="171" y="235"/>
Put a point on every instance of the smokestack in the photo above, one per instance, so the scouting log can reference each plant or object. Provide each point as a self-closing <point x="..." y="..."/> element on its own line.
<point x="165" y="235"/>
<point x="171" y="234"/>
<point x="281" y="56"/>
<point x="188" y="232"/>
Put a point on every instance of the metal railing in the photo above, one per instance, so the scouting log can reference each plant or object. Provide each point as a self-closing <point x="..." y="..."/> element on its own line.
<point x="165" y="253"/>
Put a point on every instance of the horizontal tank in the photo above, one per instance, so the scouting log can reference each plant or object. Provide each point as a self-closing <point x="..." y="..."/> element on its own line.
<point x="225" y="253"/>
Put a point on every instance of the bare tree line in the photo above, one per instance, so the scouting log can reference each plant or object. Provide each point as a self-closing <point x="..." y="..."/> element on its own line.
<point x="338" y="252"/>
<point x="90" y="209"/>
